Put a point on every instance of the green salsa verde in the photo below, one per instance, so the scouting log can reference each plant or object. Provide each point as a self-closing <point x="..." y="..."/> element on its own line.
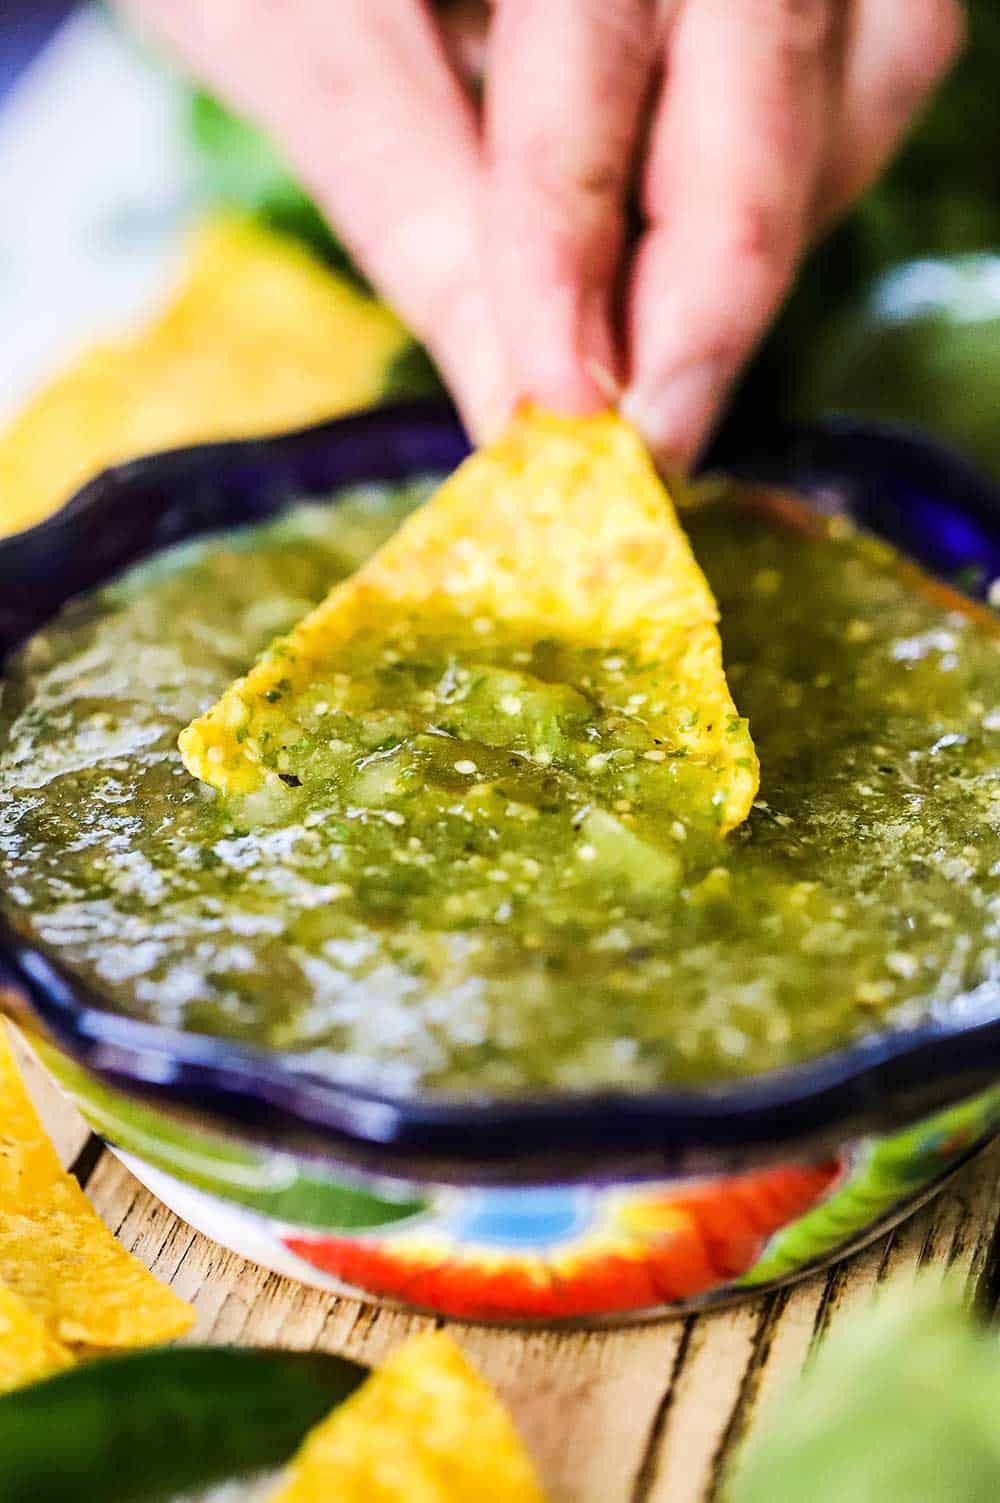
<point x="473" y="878"/>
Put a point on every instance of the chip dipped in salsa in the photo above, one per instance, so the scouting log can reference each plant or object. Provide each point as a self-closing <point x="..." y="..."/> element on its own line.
<point x="478" y="864"/>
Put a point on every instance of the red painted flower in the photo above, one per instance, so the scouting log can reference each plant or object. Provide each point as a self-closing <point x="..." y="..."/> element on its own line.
<point x="637" y="1249"/>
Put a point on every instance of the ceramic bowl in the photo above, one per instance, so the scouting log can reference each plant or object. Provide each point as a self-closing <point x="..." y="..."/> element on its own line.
<point x="554" y="1208"/>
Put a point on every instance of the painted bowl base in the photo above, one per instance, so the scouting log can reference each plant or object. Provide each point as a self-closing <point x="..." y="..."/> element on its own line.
<point x="261" y="1240"/>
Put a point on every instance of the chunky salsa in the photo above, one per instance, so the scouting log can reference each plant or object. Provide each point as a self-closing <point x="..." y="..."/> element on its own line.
<point x="479" y="870"/>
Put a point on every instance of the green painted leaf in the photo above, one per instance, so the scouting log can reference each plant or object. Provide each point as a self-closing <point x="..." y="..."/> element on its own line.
<point x="274" y="1184"/>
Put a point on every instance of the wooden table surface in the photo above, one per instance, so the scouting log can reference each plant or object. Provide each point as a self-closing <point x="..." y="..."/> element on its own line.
<point x="651" y="1413"/>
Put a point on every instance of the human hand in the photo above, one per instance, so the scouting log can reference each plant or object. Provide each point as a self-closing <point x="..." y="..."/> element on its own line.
<point x="742" y="126"/>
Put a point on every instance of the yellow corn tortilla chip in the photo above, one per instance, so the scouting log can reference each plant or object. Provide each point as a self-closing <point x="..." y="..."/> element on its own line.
<point x="561" y="529"/>
<point x="27" y="1350"/>
<point x="260" y="336"/>
<point x="424" y="1429"/>
<point x="56" y="1254"/>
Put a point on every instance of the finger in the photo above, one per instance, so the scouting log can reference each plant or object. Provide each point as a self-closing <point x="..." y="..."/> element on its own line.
<point x="897" y="52"/>
<point x="566" y="87"/>
<point x="372" y="119"/>
<point x="732" y="169"/>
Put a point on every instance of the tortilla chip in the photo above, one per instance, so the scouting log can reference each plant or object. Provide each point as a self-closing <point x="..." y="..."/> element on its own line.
<point x="424" y="1429"/>
<point x="562" y="530"/>
<point x="27" y="1351"/>
<point x="56" y="1255"/>
<point x="261" y="336"/>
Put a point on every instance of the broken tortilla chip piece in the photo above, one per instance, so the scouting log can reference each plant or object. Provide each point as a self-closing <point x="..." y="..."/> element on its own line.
<point x="561" y="530"/>
<point x="425" y="1428"/>
<point x="56" y="1255"/>
<point x="27" y="1350"/>
<point x="259" y="337"/>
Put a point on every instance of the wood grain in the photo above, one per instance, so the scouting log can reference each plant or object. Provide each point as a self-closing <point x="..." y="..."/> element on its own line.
<point x="645" y="1414"/>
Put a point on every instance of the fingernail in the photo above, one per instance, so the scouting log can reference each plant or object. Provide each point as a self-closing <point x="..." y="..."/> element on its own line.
<point x="570" y="365"/>
<point x="486" y="393"/>
<point x="605" y="380"/>
<point x="596" y="348"/>
<point x="486" y="416"/>
<point x="488" y="410"/>
<point x="493" y="419"/>
<point x="674" y="417"/>
<point x="564" y="384"/>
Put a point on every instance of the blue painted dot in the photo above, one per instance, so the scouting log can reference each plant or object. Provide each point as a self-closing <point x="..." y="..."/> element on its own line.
<point x="522" y="1218"/>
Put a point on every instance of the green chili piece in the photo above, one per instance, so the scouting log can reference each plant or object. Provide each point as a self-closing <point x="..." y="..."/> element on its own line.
<point x="156" y="1424"/>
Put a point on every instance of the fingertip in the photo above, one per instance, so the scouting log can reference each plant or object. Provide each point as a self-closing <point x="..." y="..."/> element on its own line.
<point x="553" y="372"/>
<point x="568" y="390"/>
<point x="485" y="412"/>
<point x="487" y="421"/>
<point x="606" y="381"/>
<point x="674" y="414"/>
<point x="566" y="359"/>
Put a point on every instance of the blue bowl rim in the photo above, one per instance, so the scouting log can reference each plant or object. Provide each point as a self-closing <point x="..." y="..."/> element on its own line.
<point x="889" y="1078"/>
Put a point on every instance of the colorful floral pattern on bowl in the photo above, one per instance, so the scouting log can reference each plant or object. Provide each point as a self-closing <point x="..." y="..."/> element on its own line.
<point x="548" y="1253"/>
<point x="613" y="1205"/>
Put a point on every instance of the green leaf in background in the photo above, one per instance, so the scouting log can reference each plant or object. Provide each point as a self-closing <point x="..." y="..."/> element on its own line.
<point x="156" y="1424"/>
<point x="902" y="1407"/>
<point x="242" y="170"/>
<point x="412" y="374"/>
<point x="923" y="346"/>
<point x="939" y="198"/>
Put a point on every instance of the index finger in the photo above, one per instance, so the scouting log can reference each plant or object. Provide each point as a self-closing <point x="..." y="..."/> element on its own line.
<point x="566" y="88"/>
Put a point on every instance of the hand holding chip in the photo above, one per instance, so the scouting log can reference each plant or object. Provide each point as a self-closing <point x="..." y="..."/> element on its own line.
<point x="744" y="126"/>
